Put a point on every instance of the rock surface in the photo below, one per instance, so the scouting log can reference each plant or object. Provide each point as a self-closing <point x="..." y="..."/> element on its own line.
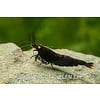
<point x="16" y="67"/>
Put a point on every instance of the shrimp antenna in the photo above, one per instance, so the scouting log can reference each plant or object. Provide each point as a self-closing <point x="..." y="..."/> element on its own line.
<point x="33" y="38"/>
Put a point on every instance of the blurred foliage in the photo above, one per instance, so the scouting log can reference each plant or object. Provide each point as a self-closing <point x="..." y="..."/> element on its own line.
<point x="79" y="34"/>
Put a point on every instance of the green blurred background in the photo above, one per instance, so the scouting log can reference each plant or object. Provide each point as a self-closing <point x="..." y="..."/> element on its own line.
<point x="79" y="34"/>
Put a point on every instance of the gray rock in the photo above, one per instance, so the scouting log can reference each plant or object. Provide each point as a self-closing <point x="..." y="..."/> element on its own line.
<point x="16" y="67"/>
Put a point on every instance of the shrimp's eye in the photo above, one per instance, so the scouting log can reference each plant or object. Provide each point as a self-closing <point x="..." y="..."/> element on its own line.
<point x="39" y="47"/>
